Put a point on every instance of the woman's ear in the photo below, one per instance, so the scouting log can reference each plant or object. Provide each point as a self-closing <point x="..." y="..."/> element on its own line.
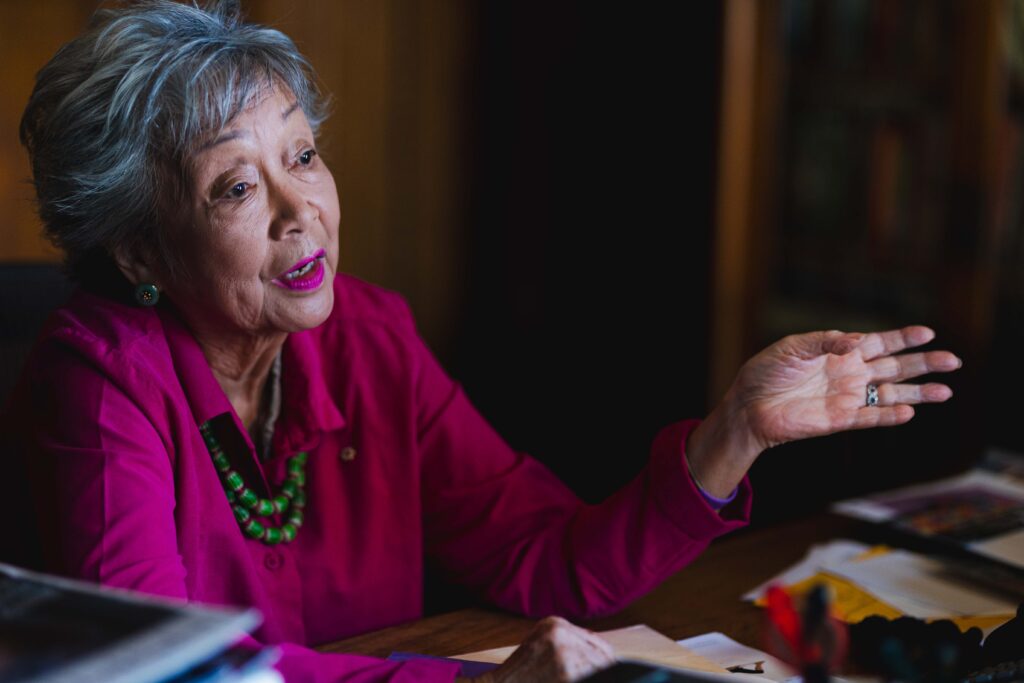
<point x="134" y="268"/>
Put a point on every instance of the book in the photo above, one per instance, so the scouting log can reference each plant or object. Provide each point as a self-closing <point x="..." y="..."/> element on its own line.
<point x="55" y="630"/>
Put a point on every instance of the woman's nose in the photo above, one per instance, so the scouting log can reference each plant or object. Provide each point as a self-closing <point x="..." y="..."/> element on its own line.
<point x="292" y="208"/>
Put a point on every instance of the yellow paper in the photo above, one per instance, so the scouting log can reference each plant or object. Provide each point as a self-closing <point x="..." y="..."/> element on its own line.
<point x="849" y="602"/>
<point x="986" y="624"/>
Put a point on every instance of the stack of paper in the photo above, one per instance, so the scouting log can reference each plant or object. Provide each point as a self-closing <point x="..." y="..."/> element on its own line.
<point x="731" y="655"/>
<point x="891" y="583"/>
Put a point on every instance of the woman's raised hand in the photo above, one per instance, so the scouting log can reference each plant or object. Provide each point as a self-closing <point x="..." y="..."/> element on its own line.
<point x="555" y="651"/>
<point x="815" y="384"/>
<point x="810" y="385"/>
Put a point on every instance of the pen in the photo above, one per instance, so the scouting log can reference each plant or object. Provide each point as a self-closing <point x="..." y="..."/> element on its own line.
<point x="813" y="642"/>
<point x="817" y="641"/>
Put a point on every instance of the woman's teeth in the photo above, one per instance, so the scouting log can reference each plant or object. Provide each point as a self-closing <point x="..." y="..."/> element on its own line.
<point x="301" y="271"/>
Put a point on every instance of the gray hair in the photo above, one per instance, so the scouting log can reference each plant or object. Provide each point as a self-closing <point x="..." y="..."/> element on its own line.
<point x="117" y="112"/>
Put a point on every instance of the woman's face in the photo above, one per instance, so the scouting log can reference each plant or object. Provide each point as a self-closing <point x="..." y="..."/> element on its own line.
<point x="260" y="236"/>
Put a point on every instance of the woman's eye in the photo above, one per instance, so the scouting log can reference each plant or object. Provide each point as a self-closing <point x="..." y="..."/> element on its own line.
<point x="238" y="190"/>
<point x="306" y="158"/>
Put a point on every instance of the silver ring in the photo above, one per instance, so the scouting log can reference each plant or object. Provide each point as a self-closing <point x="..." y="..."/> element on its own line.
<point x="872" y="395"/>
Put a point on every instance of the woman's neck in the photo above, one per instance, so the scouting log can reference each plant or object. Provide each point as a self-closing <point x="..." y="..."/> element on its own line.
<point x="241" y="367"/>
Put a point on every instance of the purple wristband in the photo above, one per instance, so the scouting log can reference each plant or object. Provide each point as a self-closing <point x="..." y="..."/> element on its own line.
<point x="715" y="502"/>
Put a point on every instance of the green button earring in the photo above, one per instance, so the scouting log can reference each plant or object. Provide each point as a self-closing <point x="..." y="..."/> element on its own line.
<point x="147" y="294"/>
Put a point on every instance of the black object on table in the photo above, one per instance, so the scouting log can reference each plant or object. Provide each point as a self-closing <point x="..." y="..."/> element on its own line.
<point x="638" y="672"/>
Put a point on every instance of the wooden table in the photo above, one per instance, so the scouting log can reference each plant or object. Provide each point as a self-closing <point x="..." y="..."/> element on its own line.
<point x="703" y="597"/>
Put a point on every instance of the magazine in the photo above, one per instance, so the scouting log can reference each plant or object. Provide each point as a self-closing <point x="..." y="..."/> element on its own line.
<point x="981" y="511"/>
<point x="57" y="630"/>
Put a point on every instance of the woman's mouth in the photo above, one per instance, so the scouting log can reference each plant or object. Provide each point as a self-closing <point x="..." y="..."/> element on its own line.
<point x="305" y="275"/>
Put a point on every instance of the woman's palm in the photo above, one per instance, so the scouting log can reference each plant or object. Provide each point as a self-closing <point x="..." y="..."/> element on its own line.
<point x="816" y="384"/>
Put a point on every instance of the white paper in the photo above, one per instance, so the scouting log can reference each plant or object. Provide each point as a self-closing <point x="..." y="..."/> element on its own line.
<point x="1008" y="548"/>
<point x="264" y="676"/>
<point x="867" y="510"/>
<point x="726" y="652"/>
<point x="920" y="586"/>
<point x="833" y="552"/>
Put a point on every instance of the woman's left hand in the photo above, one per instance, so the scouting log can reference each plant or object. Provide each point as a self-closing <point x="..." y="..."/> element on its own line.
<point x="815" y="384"/>
<point x="811" y="385"/>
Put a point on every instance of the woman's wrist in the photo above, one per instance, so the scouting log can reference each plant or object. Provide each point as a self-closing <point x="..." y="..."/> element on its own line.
<point x="721" y="450"/>
<point x="714" y="502"/>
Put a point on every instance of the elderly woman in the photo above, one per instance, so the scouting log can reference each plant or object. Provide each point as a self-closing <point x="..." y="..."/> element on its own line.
<point x="218" y="415"/>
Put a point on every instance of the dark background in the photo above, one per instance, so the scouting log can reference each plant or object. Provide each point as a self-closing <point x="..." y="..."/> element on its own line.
<point x="584" y="327"/>
<point x="586" y="316"/>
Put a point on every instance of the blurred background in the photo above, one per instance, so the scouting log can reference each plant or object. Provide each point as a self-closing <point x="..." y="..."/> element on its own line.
<point x="597" y="212"/>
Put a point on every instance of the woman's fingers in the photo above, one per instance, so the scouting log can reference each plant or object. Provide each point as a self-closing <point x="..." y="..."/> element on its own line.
<point x="850" y="409"/>
<point x="586" y="652"/>
<point x="894" y="394"/>
<point x="878" y="344"/>
<point x="557" y="651"/>
<point x="895" y="405"/>
<point x="880" y="416"/>
<point x="601" y="646"/>
<point x="910" y="365"/>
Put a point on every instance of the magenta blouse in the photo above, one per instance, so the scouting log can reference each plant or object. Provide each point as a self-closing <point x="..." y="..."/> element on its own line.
<point x="109" y="414"/>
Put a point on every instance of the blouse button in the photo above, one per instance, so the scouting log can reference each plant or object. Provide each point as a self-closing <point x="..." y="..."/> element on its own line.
<point x="348" y="454"/>
<point x="273" y="561"/>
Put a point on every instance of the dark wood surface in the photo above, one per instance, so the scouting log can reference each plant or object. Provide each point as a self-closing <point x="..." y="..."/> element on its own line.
<point x="703" y="597"/>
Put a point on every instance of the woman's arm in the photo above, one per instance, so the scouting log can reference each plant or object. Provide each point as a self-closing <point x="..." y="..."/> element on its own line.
<point x="502" y="524"/>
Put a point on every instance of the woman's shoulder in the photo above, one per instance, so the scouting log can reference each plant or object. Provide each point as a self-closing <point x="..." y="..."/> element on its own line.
<point x="105" y="333"/>
<point x="91" y="352"/>
<point x="101" y="322"/>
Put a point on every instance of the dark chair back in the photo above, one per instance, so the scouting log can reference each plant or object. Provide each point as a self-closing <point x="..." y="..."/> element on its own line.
<point x="29" y="293"/>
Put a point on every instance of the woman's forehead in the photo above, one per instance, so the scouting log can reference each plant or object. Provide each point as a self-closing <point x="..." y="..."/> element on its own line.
<point x="276" y="106"/>
<point x="260" y="102"/>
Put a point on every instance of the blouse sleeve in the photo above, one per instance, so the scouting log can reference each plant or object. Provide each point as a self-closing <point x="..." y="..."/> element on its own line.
<point x="111" y="477"/>
<point x="503" y="525"/>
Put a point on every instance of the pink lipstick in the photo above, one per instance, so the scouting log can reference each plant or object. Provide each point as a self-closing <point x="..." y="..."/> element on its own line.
<point x="305" y="275"/>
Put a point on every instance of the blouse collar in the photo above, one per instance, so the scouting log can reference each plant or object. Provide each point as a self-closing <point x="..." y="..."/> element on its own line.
<point x="308" y="407"/>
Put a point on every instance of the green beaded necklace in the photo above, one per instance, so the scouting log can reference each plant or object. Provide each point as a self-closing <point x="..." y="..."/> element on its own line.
<point x="247" y="506"/>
